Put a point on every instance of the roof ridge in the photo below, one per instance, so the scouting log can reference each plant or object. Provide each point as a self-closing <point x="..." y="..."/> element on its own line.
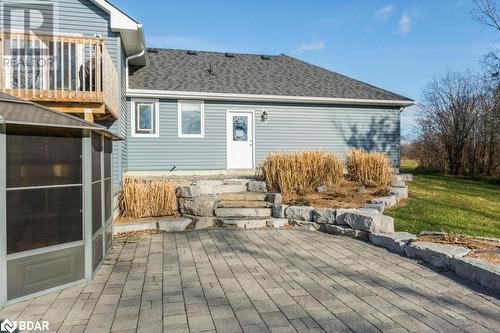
<point x="213" y="52"/>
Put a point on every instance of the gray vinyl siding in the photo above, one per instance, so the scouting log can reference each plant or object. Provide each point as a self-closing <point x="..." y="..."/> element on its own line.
<point x="335" y="129"/>
<point x="168" y="150"/>
<point x="288" y="128"/>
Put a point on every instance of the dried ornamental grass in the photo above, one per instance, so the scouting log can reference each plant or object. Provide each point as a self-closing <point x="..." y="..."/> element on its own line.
<point x="369" y="168"/>
<point x="147" y="198"/>
<point x="300" y="172"/>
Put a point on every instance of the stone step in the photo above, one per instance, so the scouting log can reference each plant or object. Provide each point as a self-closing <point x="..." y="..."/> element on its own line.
<point x="243" y="212"/>
<point x="242" y="223"/>
<point x="210" y="188"/>
<point x="243" y="204"/>
<point x="242" y="196"/>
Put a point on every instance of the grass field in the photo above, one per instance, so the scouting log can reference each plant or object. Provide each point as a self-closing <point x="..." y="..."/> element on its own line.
<point x="451" y="204"/>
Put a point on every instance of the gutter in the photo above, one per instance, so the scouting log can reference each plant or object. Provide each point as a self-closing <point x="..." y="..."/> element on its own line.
<point x="168" y="94"/>
<point x="140" y="54"/>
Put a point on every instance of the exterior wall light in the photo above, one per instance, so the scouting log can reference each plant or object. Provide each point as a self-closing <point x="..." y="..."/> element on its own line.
<point x="263" y="116"/>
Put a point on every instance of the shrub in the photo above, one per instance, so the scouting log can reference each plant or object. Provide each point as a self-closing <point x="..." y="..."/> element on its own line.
<point x="300" y="172"/>
<point x="369" y="168"/>
<point x="147" y="198"/>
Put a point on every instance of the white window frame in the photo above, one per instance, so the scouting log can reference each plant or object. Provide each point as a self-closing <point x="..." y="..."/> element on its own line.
<point x="179" y="118"/>
<point x="156" y="118"/>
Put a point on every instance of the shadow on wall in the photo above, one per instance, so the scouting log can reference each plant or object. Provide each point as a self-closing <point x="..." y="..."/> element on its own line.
<point x="382" y="135"/>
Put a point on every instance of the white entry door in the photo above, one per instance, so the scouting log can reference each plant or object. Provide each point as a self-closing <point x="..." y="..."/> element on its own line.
<point x="239" y="125"/>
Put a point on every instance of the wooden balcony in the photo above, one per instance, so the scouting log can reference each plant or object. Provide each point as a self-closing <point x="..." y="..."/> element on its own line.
<point x="69" y="74"/>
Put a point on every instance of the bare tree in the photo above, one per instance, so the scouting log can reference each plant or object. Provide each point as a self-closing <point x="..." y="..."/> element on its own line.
<point x="459" y="125"/>
<point x="487" y="13"/>
<point x="450" y="115"/>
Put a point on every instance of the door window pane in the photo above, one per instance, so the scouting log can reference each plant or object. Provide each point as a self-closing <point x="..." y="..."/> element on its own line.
<point x="43" y="217"/>
<point x="43" y="156"/>
<point x="240" y="128"/>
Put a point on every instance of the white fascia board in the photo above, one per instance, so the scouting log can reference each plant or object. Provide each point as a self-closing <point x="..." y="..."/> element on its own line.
<point x="122" y="23"/>
<point x="119" y="20"/>
<point x="262" y="98"/>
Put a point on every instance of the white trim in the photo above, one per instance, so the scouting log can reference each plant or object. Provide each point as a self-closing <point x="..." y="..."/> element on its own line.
<point x="119" y="20"/>
<point x="228" y="138"/>
<point x="156" y="118"/>
<point x="44" y="250"/>
<point x="132" y="33"/>
<point x="262" y="98"/>
<point x="179" y="119"/>
<point x="42" y="187"/>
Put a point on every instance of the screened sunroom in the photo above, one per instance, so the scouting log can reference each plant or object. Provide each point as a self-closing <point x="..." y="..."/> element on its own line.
<point x="55" y="199"/>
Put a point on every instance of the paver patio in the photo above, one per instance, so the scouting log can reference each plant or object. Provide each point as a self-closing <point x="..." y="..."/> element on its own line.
<point x="262" y="281"/>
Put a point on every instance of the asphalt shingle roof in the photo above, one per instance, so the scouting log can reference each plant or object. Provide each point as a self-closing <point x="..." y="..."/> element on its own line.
<point x="282" y="75"/>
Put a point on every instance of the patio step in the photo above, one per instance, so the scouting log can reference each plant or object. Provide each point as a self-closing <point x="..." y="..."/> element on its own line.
<point x="243" y="204"/>
<point x="243" y="212"/>
<point x="242" y="223"/>
<point x="242" y="196"/>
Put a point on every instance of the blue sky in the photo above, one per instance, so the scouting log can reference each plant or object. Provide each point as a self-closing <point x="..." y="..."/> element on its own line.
<point x="397" y="45"/>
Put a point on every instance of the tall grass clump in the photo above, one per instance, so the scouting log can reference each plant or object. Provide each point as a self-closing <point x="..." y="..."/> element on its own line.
<point x="147" y="198"/>
<point x="369" y="168"/>
<point x="300" y="172"/>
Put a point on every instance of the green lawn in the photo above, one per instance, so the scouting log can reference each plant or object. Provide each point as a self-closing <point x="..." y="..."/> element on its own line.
<point x="452" y="204"/>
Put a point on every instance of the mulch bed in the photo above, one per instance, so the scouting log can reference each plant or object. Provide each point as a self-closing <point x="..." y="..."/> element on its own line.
<point x="486" y="250"/>
<point x="345" y="195"/>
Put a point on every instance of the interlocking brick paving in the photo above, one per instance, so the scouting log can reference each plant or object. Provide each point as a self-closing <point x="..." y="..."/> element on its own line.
<point x="262" y="281"/>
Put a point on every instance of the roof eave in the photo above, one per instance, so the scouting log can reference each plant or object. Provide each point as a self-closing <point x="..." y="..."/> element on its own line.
<point x="131" y="32"/>
<point x="264" y="98"/>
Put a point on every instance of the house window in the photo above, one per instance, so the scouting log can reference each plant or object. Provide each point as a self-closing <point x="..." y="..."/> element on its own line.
<point x="191" y="119"/>
<point x="145" y="118"/>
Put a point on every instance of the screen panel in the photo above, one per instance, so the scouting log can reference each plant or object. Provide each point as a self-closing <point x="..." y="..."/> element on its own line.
<point x="96" y="156"/>
<point x="38" y="218"/>
<point x="108" y="149"/>
<point x="96" y="207"/>
<point x="98" y="254"/>
<point x="107" y="202"/>
<point x="43" y="156"/>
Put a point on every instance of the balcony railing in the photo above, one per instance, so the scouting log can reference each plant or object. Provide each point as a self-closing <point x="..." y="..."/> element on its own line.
<point x="59" y="70"/>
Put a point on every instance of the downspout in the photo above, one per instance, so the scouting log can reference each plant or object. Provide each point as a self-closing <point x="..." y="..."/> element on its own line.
<point x="126" y="65"/>
<point x="140" y="54"/>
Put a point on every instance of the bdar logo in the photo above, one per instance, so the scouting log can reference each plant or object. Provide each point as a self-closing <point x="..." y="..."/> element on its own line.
<point x="8" y="326"/>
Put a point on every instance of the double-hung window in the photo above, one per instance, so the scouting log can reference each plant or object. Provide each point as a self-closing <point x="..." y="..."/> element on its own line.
<point x="191" y="119"/>
<point x="145" y="118"/>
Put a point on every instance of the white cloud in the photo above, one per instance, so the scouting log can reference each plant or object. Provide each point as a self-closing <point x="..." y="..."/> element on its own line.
<point x="314" y="46"/>
<point x="405" y="23"/>
<point x="383" y="13"/>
